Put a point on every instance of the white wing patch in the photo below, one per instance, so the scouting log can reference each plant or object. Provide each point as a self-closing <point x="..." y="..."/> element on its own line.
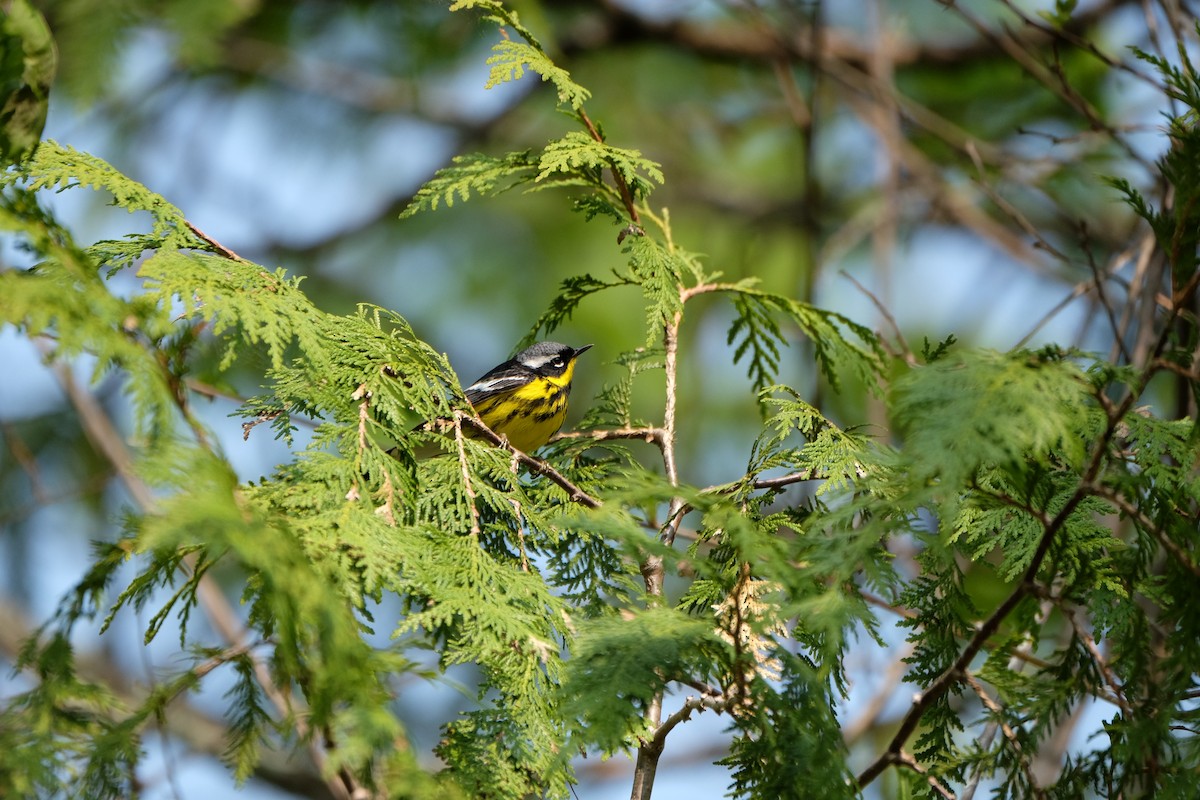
<point x="483" y="388"/>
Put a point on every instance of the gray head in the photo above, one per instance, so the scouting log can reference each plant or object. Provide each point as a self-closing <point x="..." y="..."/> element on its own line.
<point x="549" y="359"/>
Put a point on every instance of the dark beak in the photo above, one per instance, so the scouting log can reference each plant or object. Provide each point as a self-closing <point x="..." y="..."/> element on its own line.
<point x="581" y="350"/>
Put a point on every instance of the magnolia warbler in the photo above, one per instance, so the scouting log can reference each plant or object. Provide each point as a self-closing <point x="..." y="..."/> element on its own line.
<point x="525" y="398"/>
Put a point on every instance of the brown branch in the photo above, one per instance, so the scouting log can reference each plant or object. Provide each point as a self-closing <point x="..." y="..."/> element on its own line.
<point x="1013" y="213"/>
<point x="648" y="435"/>
<point x="1083" y="287"/>
<point x="742" y="43"/>
<point x="904" y="759"/>
<point x="221" y="249"/>
<point x="535" y="465"/>
<point x="1099" y="280"/>
<point x="691" y="705"/>
<point x="1181" y="371"/>
<point x="618" y="179"/>
<point x="1069" y="34"/>
<point x="1051" y="77"/>
<point x="671" y="366"/>
<point x="652" y="568"/>
<point x="779" y="482"/>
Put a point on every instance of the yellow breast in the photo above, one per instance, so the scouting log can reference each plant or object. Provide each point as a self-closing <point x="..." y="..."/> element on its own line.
<point x="529" y="415"/>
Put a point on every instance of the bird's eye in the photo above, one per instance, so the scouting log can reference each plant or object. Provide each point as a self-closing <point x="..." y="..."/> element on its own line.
<point x="557" y="363"/>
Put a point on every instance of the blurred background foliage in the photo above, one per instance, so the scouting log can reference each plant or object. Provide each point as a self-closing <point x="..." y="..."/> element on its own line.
<point x="942" y="161"/>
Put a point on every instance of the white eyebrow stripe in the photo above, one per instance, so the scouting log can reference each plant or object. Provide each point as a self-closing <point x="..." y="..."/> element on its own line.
<point x="540" y="361"/>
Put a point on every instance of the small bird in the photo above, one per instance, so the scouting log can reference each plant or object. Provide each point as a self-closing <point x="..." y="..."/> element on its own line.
<point x="525" y="398"/>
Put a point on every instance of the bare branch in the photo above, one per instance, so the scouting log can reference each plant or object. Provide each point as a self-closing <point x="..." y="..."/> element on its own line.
<point x="691" y="705"/>
<point x="648" y="435"/>
<point x="905" y="759"/>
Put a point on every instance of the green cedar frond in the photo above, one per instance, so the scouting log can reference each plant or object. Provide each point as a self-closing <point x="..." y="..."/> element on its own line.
<point x="497" y="12"/>
<point x="620" y="664"/>
<point x="292" y="594"/>
<point x="64" y="723"/>
<point x="495" y="609"/>
<point x="59" y="167"/>
<point x="116" y="750"/>
<point x="490" y="756"/>
<point x="266" y="308"/>
<point x="932" y="352"/>
<point x="64" y="297"/>
<point x="578" y="154"/>
<point x="571" y="292"/>
<point x="658" y="271"/>
<point x="782" y="734"/>
<point x="830" y="454"/>
<point x="510" y="60"/>
<point x="591" y="573"/>
<point x="613" y="406"/>
<point x="593" y="205"/>
<point x="1175" y="225"/>
<point x="987" y="408"/>
<point x="757" y="331"/>
<point x="248" y="720"/>
<point x="478" y="174"/>
<point x="787" y="414"/>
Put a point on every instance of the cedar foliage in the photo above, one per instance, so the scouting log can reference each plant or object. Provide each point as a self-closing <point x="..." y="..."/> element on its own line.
<point x="1041" y="469"/>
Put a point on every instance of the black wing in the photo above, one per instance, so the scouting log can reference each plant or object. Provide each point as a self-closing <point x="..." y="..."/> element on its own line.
<point x="504" y="378"/>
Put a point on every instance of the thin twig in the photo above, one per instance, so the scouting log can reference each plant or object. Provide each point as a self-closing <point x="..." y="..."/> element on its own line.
<point x="648" y="435"/>
<point x="1102" y="294"/>
<point x="214" y="244"/>
<point x="691" y="704"/>
<point x="618" y="178"/>
<point x="905" y="759"/>
<point x="652" y="568"/>
<point x="466" y="472"/>
<point x="1009" y="734"/>
<point x="905" y="350"/>
<point x="671" y="365"/>
<point x="1106" y="671"/>
<point x="1133" y="512"/>
<point x="1051" y="77"/>
<point x="1083" y="287"/>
